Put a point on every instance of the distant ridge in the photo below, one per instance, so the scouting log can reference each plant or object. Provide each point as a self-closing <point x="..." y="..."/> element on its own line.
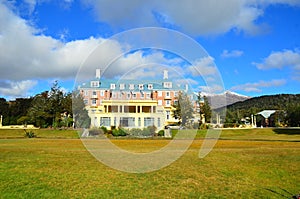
<point x="225" y="98"/>
<point x="276" y="102"/>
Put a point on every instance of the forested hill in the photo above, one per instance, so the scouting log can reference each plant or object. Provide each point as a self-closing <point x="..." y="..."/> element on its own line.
<point x="288" y="106"/>
<point x="267" y="102"/>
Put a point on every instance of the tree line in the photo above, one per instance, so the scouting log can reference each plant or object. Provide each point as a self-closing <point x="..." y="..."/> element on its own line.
<point x="51" y="108"/>
<point x="287" y="108"/>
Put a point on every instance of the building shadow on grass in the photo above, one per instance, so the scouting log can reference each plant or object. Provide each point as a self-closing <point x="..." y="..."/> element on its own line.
<point x="287" y="131"/>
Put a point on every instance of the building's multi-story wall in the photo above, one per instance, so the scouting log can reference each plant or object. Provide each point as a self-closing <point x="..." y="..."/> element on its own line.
<point x="130" y="103"/>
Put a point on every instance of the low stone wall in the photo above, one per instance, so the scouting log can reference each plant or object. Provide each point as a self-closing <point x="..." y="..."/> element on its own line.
<point x="18" y="127"/>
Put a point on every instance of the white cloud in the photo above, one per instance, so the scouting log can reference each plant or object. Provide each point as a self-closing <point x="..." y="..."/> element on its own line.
<point x="26" y="54"/>
<point x="16" y="88"/>
<point x="233" y="53"/>
<point x="285" y="58"/>
<point x="280" y="60"/>
<point x="212" y="89"/>
<point x="197" y="17"/>
<point x="203" y="67"/>
<point x="257" y="86"/>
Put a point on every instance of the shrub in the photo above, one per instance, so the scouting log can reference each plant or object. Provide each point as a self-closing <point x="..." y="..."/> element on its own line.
<point x="104" y="129"/>
<point x="95" y="132"/>
<point x="161" y="133"/>
<point x="30" y="134"/>
<point x="151" y="130"/>
<point x="136" y="132"/>
<point x="119" y="132"/>
<point x="204" y="126"/>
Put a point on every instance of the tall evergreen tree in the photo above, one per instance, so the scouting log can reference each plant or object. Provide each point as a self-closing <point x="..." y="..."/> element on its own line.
<point x="184" y="108"/>
<point x="206" y="110"/>
<point x="80" y="114"/>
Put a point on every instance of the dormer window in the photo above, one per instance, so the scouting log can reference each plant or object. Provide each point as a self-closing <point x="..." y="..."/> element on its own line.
<point x="150" y="86"/>
<point x="94" y="84"/>
<point x="167" y="84"/>
<point x="112" y="86"/>
<point x="122" y="86"/>
<point x="141" y="86"/>
<point x="131" y="86"/>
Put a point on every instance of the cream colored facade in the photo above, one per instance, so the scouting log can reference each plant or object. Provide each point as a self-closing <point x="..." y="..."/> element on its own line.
<point x="130" y="103"/>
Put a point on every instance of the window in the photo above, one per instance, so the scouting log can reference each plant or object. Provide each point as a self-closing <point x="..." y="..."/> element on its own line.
<point x="102" y="93"/>
<point x="150" y="86"/>
<point x="176" y="102"/>
<point x="94" y="93"/>
<point x="94" y="102"/>
<point x="168" y="115"/>
<point x="158" y="122"/>
<point x="167" y="85"/>
<point x="112" y="86"/>
<point x="131" y="86"/>
<point x="159" y="102"/>
<point x="168" y="94"/>
<point x="159" y="93"/>
<point x="148" y="95"/>
<point x="85" y="101"/>
<point x="94" y="83"/>
<point x="134" y="95"/>
<point x="168" y="102"/>
<point x="122" y="86"/>
<point x="105" y="121"/>
<point x="141" y="86"/>
<point x="127" y="121"/>
<point x="148" y="121"/>
<point x="86" y="93"/>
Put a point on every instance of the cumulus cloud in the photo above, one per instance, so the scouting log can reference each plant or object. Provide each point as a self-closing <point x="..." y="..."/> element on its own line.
<point x="280" y="59"/>
<point x="197" y="17"/>
<point x="233" y="53"/>
<point x="16" y="89"/>
<point x="203" y="67"/>
<point x="257" y="86"/>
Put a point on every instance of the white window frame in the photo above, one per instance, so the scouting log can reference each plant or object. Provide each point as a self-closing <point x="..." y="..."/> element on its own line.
<point x="94" y="84"/>
<point x="102" y="93"/>
<point x="168" y="94"/>
<point x="159" y="102"/>
<point x="150" y="86"/>
<point x="141" y="86"/>
<point x="122" y="86"/>
<point x="112" y="86"/>
<point x="131" y="86"/>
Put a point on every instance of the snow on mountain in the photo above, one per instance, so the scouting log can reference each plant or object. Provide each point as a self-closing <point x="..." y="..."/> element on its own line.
<point x="225" y="98"/>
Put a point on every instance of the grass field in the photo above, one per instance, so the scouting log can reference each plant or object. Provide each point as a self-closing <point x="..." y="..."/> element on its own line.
<point x="255" y="163"/>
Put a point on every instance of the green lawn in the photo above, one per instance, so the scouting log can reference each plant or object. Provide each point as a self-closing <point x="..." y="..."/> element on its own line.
<point x="236" y="168"/>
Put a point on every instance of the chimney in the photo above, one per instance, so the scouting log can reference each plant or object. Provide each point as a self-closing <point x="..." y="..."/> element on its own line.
<point x="165" y="74"/>
<point x="98" y="73"/>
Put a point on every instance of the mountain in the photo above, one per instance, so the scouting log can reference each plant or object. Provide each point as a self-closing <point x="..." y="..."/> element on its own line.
<point x="225" y="98"/>
<point x="276" y="102"/>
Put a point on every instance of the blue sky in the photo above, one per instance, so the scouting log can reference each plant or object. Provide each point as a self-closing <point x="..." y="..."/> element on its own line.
<point x="254" y="44"/>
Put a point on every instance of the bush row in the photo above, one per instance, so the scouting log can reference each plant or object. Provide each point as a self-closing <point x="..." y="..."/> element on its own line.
<point x="135" y="132"/>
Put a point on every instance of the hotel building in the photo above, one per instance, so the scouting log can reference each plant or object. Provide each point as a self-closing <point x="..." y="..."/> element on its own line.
<point x="131" y="103"/>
